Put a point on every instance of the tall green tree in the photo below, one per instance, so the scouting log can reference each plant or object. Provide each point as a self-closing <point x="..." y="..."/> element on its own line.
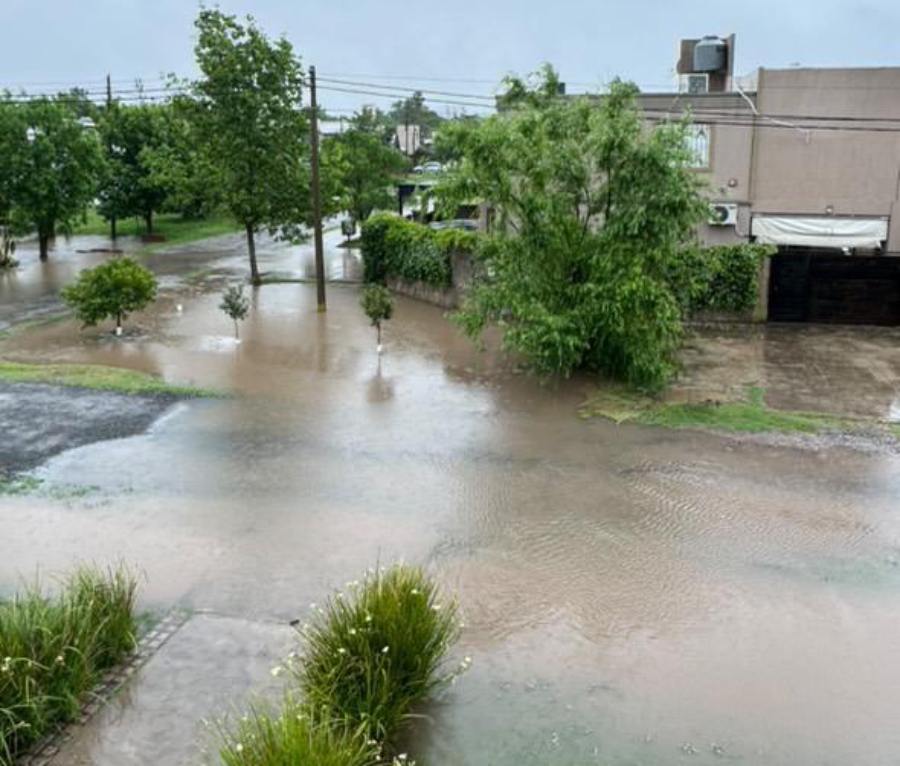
<point x="363" y="166"/>
<point x="130" y="134"/>
<point x="414" y="110"/>
<point x="247" y="112"/>
<point x="12" y="128"/>
<point x="58" y="166"/>
<point x="592" y="205"/>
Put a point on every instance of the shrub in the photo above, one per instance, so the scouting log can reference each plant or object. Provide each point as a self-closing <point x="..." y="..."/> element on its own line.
<point x="52" y="651"/>
<point x="719" y="278"/>
<point x="293" y="736"/>
<point x="374" y="654"/>
<point x="394" y="247"/>
<point x="112" y="290"/>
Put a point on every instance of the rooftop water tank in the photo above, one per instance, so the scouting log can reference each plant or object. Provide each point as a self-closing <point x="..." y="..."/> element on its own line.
<point x="710" y="55"/>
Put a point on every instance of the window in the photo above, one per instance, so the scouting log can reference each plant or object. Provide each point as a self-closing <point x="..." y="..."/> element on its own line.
<point x="698" y="144"/>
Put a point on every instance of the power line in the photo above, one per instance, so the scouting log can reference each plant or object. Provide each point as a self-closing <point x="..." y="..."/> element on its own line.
<point x="410" y="90"/>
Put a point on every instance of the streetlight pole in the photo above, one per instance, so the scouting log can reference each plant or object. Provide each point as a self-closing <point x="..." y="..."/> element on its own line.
<point x="316" y="191"/>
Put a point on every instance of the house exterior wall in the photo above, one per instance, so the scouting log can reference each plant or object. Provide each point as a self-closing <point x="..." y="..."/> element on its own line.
<point x="813" y="172"/>
<point x="727" y="175"/>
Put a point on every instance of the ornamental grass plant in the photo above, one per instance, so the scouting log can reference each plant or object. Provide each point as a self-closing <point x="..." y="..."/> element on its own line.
<point x="53" y="650"/>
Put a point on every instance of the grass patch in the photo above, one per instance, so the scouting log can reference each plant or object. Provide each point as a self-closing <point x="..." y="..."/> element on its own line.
<point x="96" y="377"/>
<point x="750" y="415"/>
<point x="176" y="229"/>
<point x="16" y="486"/>
<point x="53" y="651"/>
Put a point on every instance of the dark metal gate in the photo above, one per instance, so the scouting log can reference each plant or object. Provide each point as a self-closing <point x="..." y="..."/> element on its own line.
<point x="808" y="285"/>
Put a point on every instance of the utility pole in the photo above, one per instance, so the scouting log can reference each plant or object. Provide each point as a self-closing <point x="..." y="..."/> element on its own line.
<point x="112" y="219"/>
<point x="316" y="191"/>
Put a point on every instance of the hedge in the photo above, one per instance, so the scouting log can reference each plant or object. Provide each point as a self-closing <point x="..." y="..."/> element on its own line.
<point x="395" y="247"/>
<point x="718" y="278"/>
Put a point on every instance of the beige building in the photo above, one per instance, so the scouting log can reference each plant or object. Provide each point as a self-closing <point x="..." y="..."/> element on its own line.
<point x="807" y="160"/>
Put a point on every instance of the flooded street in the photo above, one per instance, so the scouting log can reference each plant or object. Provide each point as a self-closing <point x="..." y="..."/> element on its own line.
<point x="631" y="595"/>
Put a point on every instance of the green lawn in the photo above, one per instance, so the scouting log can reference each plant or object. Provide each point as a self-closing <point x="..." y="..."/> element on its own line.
<point x="173" y="227"/>
<point x="750" y="415"/>
<point x="96" y="377"/>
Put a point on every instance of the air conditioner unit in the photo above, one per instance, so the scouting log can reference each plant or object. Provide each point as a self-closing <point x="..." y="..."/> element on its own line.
<point x="723" y="214"/>
<point x="693" y="83"/>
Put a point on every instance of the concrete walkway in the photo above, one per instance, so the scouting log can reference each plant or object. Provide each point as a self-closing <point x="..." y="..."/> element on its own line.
<point x="211" y="664"/>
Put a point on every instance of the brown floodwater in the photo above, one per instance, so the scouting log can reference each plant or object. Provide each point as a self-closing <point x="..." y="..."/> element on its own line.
<point x="631" y="595"/>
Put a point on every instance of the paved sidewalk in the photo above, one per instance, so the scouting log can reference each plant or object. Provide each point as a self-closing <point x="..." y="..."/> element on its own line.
<point x="210" y="665"/>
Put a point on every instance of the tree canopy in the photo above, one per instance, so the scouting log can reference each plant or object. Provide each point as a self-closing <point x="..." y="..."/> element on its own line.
<point x="51" y="168"/>
<point x="363" y="166"/>
<point x="591" y="205"/>
<point x="250" y="126"/>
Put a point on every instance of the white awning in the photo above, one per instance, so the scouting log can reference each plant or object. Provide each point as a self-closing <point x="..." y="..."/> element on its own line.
<point x="822" y="231"/>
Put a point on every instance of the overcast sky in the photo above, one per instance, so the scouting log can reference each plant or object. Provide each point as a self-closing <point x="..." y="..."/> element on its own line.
<point x="589" y="41"/>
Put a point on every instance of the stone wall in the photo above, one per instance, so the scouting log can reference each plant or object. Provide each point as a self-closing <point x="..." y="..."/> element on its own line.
<point x="445" y="297"/>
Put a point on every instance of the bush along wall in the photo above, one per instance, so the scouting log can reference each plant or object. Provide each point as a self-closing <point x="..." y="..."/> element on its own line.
<point x="395" y="248"/>
<point x="723" y="279"/>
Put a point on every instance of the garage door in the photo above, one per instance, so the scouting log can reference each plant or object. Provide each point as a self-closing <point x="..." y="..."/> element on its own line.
<point x="820" y="286"/>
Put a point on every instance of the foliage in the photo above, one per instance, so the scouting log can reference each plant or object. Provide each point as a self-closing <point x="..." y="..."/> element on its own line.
<point x="246" y="116"/>
<point x="363" y="166"/>
<point x="294" y="735"/>
<point x="181" y="166"/>
<point x="719" y="278"/>
<point x="131" y="134"/>
<point x="235" y="305"/>
<point x="394" y="247"/>
<point x="53" y="651"/>
<point x="591" y="207"/>
<point x="414" y="111"/>
<point x="373" y="654"/>
<point x="97" y="377"/>
<point x="53" y="165"/>
<point x="112" y="290"/>
<point x="377" y="303"/>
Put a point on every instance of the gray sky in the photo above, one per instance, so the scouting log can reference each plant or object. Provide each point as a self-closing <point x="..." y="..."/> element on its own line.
<point x="68" y="42"/>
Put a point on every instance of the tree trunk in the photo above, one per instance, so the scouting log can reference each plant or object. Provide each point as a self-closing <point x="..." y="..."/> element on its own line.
<point x="148" y="219"/>
<point x="378" y="328"/>
<point x="112" y="227"/>
<point x="251" y="249"/>
<point x="44" y="245"/>
<point x="237" y="333"/>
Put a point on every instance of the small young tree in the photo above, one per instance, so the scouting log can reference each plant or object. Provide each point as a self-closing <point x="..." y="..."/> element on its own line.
<point x="112" y="290"/>
<point x="235" y="305"/>
<point x="378" y="303"/>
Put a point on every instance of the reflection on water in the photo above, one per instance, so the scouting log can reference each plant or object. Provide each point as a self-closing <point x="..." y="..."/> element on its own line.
<point x="631" y="595"/>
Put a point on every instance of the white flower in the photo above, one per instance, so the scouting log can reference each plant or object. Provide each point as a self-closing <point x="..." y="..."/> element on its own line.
<point x="467" y="660"/>
<point x="368" y="618"/>
<point x="239" y="747"/>
<point x="276" y="671"/>
<point x="341" y="650"/>
<point x="436" y="607"/>
<point x="385" y="650"/>
<point x="60" y="659"/>
<point x="339" y="595"/>
<point x="415" y="591"/>
<point x="352" y="631"/>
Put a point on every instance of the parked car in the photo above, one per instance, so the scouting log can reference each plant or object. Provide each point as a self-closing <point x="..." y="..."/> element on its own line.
<point x="428" y="167"/>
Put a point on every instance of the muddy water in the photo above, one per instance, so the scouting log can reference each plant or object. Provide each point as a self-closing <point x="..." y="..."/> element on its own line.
<point x="632" y="596"/>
